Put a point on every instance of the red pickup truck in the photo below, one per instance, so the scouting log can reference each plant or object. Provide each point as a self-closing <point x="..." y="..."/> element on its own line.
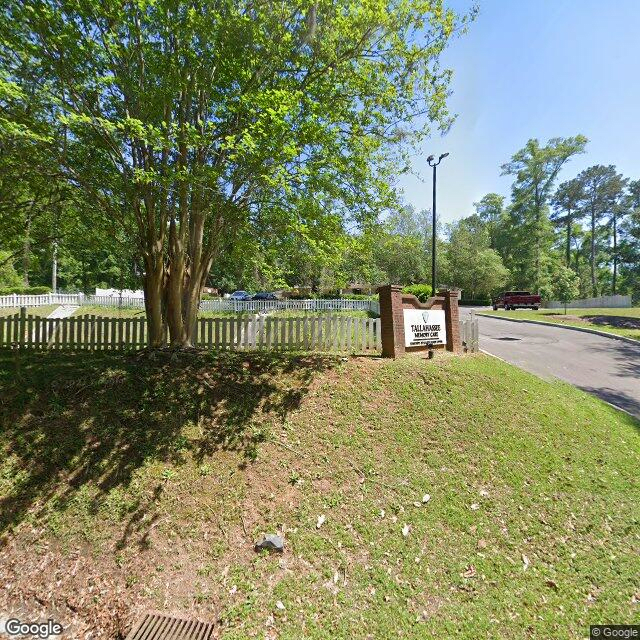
<point x="516" y="300"/>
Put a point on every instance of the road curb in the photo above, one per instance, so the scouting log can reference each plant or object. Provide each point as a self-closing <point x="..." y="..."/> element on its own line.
<point x="604" y="334"/>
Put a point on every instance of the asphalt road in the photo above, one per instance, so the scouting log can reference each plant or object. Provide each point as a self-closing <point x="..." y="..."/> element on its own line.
<point x="605" y="367"/>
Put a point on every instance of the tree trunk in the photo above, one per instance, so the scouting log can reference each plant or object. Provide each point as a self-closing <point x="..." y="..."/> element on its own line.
<point x="173" y="291"/>
<point x="594" y="288"/>
<point x="538" y="243"/>
<point x="153" y="300"/>
<point x="85" y="277"/>
<point x="569" y="239"/>
<point x="54" y="267"/>
<point x="615" y="252"/>
<point x="26" y="252"/>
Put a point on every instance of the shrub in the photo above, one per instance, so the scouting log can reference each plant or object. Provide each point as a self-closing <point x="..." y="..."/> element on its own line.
<point x="420" y="291"/>
<point x="300" y="296"/>
<point x="9" y="277"/>
<point x="33" y="291"/>
<point x="38" y="291"/>
<point x="358" y="296"/>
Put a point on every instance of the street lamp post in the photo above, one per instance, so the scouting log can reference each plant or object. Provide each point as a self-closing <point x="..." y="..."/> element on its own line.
<point x="432" y="163"/>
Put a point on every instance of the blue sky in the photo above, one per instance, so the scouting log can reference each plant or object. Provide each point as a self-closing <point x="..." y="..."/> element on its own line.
<point x="535" y="68"/>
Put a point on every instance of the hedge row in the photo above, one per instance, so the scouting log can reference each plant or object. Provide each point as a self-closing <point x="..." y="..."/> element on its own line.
<point x="329" y="296"/>
<point x="25" y="291"/>
<point x="420" y="291"/>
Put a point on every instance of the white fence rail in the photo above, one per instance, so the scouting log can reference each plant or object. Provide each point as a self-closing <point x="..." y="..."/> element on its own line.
<point x="89" y="332"/>
<point x="604" y="302"/>
<point x="238" y="306"/>
<point x="15" y="300"/>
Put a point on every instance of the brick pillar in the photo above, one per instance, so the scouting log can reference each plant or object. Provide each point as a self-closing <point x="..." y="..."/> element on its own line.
<point x="452" y="320"/>
<point x="392" y="319"/>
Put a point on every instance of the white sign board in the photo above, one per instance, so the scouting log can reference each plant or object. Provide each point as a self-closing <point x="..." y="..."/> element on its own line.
<point x="424" y="327"/>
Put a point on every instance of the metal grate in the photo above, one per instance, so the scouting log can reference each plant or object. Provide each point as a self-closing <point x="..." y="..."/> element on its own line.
<point x="157" y="626"/>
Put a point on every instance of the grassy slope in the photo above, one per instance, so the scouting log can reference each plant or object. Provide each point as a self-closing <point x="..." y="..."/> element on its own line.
<point x="624" y="322"/>
<point x="149" y="482"/>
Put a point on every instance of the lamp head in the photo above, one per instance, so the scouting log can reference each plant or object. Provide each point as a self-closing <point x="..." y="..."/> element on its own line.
<point x="430" y="158"/>
<point x="444" y="155"/>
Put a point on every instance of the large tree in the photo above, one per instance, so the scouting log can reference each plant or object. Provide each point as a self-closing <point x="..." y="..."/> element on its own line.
<point x="490" y="208"/>
<point x="602" y="186"/>
<point x="630" y="244"/>
<point x="474" y="266"/>
<point x="190" y="121"/>
<point x="617" y="214"/>
<point x="566" y="203"/>
<point x="535" y="169"/>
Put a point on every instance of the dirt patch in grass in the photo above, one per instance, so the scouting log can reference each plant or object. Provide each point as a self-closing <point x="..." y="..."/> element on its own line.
<point x="619" y="322"/>
<point x="128" y="483"/>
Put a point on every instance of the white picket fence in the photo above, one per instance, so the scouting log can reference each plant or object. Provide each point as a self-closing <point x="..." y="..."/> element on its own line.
<point x="89" y="332"/>
<point x="470" y="334"/>
<point x="308" y="333"/>
<point x="15" y="300"/>
<point x="239" y="306"/>
<point x="603" y="302"/>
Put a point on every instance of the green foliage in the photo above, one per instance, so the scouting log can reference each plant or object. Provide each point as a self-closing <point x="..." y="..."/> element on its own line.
<point x="421" y="291"/>
<point x="473" y="266"/>
<point x="356" y="296"/>
<point x="566" y="202"/>
<point x="566" y="285"/>
<point x="22" y="290"/>
<point x="397" y="251"/>
<point x="401" y="258"/>
<point x="490" y="208"/>
<point x="630" y="244"/>
<point x="9" y="277"/>
<point x="535" y="169"/>
<point x="601" y="188"/>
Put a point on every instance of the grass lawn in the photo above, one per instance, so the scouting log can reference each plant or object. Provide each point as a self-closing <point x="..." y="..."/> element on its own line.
<point x="41" y="312"/>
<point x="128" y="312"/>
<point x="129" y="483"/>
<point x="624" y="322"/>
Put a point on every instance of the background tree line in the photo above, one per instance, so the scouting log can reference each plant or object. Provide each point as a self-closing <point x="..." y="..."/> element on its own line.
<point x="588" y="225"/>
<point x="582" y="235"/>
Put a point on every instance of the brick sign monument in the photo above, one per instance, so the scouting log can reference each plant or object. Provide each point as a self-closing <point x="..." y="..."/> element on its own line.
<point x="409" y="326"/>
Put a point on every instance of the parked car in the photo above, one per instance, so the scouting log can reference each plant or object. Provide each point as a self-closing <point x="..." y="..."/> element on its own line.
<point x="517" y="300"/>
<point x="264" y="295"/>
<point x="240" y="295"/>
